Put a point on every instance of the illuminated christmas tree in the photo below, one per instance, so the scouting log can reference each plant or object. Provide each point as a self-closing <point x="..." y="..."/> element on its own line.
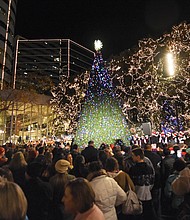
<point x="101" y="118"/>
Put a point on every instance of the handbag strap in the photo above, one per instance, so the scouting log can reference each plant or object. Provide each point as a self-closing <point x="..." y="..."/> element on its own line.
<point x="129" y="187"/>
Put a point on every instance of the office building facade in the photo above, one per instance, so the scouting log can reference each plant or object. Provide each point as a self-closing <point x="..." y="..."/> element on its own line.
<point x="7" y="27"/>
<point x="40" y="63"/>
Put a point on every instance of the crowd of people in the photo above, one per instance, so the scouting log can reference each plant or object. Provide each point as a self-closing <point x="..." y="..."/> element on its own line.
<point x="56" y="182"/>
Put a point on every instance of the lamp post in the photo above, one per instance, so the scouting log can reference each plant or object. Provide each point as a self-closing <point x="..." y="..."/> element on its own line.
<point x="170" y="64"/>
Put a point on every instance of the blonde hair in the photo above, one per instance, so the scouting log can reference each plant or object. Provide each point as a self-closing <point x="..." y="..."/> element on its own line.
<point x="18" y="161"/>
<point x="13" y="203"/>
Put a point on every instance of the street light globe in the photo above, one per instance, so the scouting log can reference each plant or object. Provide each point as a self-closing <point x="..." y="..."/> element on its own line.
<point x="170" y="64"/>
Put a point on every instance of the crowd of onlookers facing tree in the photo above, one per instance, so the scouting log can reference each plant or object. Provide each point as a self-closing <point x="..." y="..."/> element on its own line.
<point x="62" y="182"/>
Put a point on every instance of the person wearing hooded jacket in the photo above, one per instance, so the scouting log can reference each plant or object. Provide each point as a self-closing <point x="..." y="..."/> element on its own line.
<point x="108" y="194"/>
<point x="122" y="178"/>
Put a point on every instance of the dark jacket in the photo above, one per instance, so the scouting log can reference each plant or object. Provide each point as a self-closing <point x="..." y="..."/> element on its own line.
<point x="19" y="175"/>
<point x="39" y="195"/>
<point x="156" y="162"/>
<point x="166" y="168"/>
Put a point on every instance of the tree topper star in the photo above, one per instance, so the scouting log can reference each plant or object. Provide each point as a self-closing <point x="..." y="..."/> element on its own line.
<point x="98" y="45"/>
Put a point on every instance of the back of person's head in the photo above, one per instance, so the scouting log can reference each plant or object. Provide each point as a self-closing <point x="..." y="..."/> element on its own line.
<point x="79" y="160"/>
<point x="32" y="154"/>
<point x="58" y="154"/>
<point x="112" y="164"/>
<point x="148" y="147"/>
<point x="127" y="150"/>
<point x="34" y="169"/>
<point x="102" y="156"/>
<point x="41" y="150"/>
<point x="134" y="146"/>
<point x="13" y="203"/>
<point x="74" y="147"/>
<point x="179" y="165"/>
<point x="6" y="173"/>
<point x="91" y="143"/>
<point x="166" y="151"/>
<point x="138" y="152"/>
<point x="18" y="160"/>
<point x="82" y="194"/>
<point x="95" y="166"/>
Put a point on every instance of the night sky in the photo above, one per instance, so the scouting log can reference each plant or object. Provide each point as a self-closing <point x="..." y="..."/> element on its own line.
<point x="118" y="23"/>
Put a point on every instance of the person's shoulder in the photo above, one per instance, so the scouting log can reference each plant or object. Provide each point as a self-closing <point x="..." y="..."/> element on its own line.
<point x="121" y="173"/>
<point x="185" y="172"/>
<point x="85" y="149"/>
<point x="71" y="177"/>
<point x="111" y="180"/>
<point x="98" y="213"/>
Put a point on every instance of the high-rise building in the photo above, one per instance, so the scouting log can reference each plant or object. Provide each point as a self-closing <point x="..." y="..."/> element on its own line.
<point x="7" y="26"/>
<point x="39" y="63"/>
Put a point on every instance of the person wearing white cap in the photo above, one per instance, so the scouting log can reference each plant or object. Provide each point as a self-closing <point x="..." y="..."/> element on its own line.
<point x="58" y="183"/>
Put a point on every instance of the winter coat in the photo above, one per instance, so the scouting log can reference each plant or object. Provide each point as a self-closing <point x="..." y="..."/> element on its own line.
<point x="108" y="194"/>
<point x="181" y="185"/>
<point x="39" y="196"/>
<point x="156" y="162"/>
<point x="166" y="168"/>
